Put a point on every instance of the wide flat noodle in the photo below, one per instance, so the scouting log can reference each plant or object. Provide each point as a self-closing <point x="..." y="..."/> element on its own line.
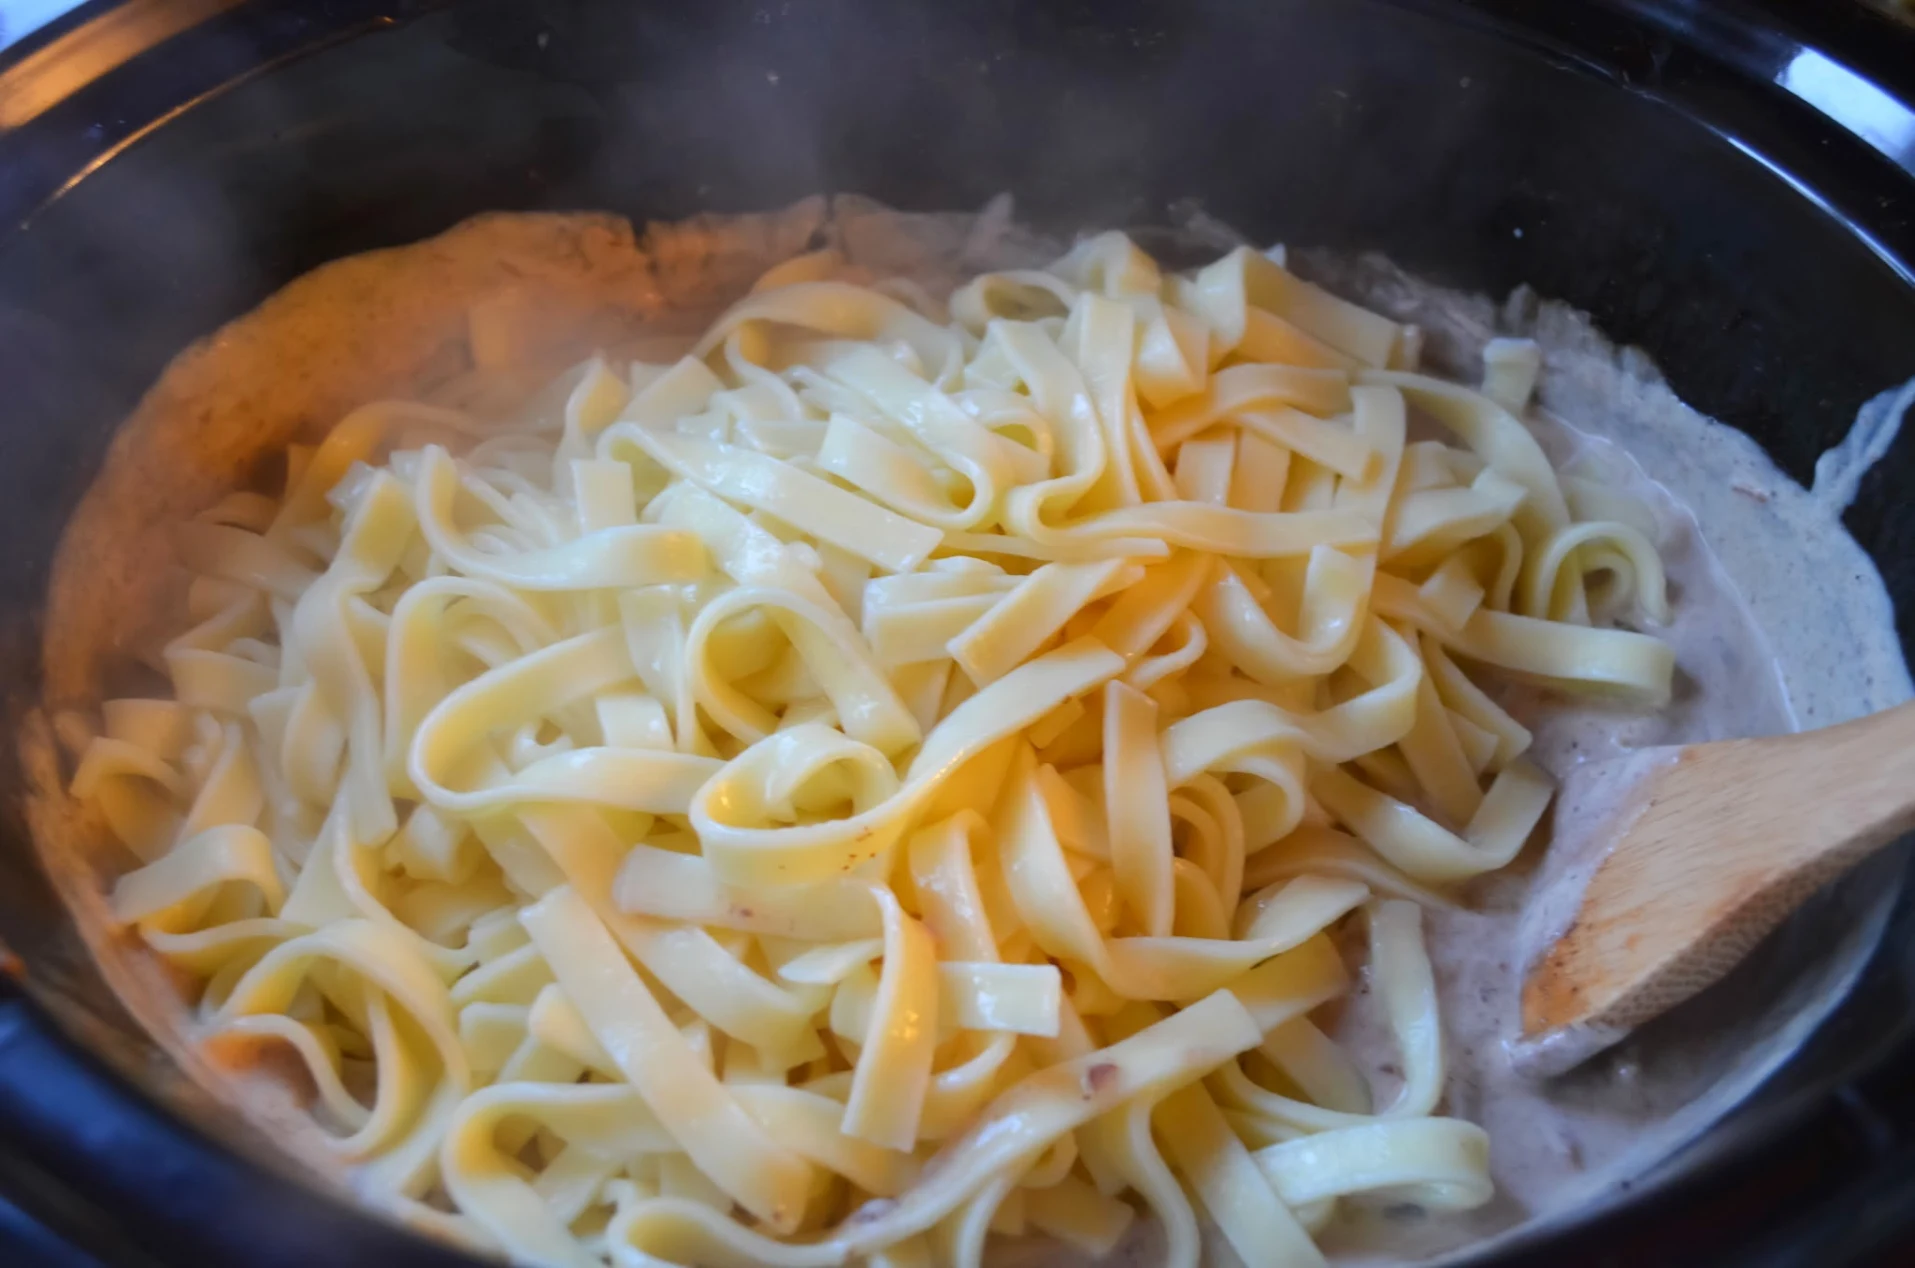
<point x="891" y="778"/>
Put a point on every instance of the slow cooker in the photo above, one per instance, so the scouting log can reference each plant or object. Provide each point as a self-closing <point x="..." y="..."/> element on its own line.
<point x="1727" y="184"/>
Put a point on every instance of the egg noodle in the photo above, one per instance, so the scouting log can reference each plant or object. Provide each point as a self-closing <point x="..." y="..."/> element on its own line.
<point x="906" y="772"/>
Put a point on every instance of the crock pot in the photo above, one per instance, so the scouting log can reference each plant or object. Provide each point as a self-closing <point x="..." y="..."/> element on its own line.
<point x="1729" y="186"/>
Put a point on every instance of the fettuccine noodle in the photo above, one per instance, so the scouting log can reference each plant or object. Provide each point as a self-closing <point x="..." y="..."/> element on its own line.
<point x="890" y="778"/>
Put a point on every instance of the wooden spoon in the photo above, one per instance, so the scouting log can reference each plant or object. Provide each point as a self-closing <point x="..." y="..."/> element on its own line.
<point x="1713" y="844"/>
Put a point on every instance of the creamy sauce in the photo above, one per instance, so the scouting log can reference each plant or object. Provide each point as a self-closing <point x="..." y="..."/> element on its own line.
<point x="1747" y="551"/>
<point x="1597" y="802"/>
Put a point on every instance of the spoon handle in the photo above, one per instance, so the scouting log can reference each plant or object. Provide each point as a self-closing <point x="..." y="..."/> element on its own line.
<point x="1813" y="804"/>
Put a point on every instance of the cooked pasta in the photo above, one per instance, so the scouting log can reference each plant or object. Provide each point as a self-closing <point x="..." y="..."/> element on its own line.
<point x="908" y="771"/>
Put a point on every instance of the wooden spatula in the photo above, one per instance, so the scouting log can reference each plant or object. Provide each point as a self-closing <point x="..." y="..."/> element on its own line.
<point x="1713" y="844"/>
